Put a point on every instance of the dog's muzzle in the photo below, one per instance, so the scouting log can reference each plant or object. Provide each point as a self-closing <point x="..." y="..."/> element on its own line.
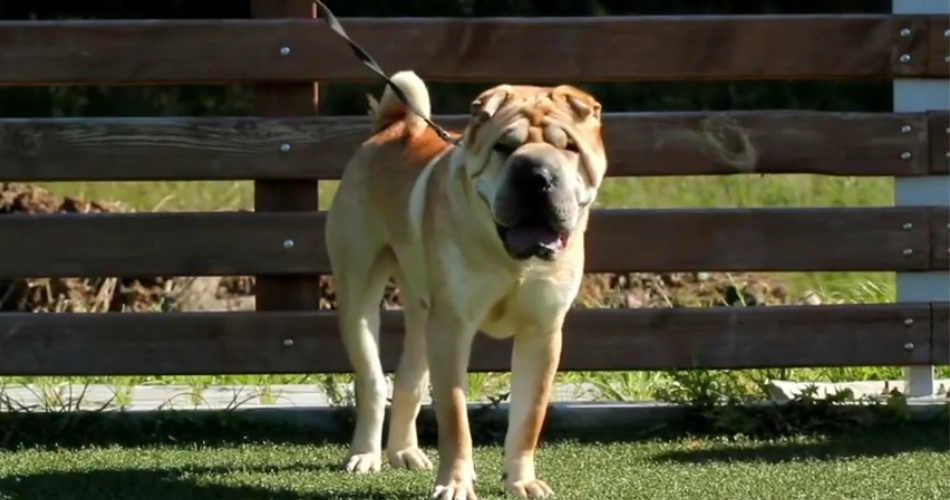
<point x="535" y="211"/>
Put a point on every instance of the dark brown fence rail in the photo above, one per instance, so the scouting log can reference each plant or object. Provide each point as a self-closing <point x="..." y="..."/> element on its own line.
<point x="938" y="50"/>
<point x="162" y="244"/>
<point x="595" y="339"/>
<point x="940" y="334"/>
<point x="474" y="50"/>
<point x="940" y="239"/>
<point x="939" y="139"/>
<point x="223" y="243"/>
<point x="285" y="149"/>
<point x="656" y="144"/>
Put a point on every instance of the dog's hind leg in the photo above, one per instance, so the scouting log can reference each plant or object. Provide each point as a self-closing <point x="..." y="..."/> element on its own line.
<point x="361" y="275"/>
<point x="409" y="387"/>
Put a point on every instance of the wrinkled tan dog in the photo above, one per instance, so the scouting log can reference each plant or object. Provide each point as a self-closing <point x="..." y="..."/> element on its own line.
<point x="487" y="235"/>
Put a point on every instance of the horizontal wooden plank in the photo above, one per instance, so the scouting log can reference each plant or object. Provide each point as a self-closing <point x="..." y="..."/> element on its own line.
<point x="595" y="339"/>
<point x="464" y="50"/>
<point x="160" y="244"/>
<point x="938" y="63"/>
<point x="638" y="144"/>
<point x="182" y="244"/>
<point x="765" y="239"/>
<point x="939" y="140"/>
<point x="940" y="334"/>
<point x="940" y="238"/>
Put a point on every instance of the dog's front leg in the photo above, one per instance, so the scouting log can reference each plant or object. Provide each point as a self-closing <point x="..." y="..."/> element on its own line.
<point x="534" y="362"/>
<point x="448" y="346"/>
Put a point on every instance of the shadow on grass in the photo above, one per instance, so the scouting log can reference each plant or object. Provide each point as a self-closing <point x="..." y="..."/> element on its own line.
<point x="70" y="430"/>
<point x="170" y="484"/>
<point x="927" y="437"/>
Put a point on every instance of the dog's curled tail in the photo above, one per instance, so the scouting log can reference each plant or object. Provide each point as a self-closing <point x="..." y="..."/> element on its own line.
<point x="389" y="109"/>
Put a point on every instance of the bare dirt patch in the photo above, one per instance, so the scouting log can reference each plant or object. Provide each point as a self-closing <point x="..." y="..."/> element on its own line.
<point x="67" y="294"/>
<point x="619" y="290"/>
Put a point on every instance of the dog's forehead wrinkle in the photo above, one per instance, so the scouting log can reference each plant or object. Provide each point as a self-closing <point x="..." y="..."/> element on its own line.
<point x="516" y="134"/>
<point x="537" y="113"/>
<point x="555" y="135"/>
<point x="535" y="135"/>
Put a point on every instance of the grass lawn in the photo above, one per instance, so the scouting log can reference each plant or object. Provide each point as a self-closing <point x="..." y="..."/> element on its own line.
<point x="907" y="464"/>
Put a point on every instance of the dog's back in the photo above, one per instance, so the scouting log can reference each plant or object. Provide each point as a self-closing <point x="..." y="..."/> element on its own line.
<point x="400" y="139"/>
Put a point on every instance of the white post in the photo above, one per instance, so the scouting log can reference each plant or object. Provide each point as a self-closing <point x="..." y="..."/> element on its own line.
<point x="915" y="95"/>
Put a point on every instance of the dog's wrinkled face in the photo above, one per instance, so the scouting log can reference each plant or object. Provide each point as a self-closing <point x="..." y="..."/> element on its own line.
<point x="535" y="157"/>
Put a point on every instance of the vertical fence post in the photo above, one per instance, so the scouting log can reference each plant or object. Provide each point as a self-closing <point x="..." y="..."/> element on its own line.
<point x="920" y="95"/>
<point x="285" y="292"/>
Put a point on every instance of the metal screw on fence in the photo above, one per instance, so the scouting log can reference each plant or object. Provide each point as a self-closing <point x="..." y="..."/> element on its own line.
<point x="906" y="155"/>
<point x="909" y="321"/>
<point x="905" y="58"/>
<point x="906" y="129"/>
<point x="285" y="51"/>
<point x="288" y="342"/>
<point x="908" y="226"/>
<point x="905" y="32"/>
<point x="285" y="147"/>
<point x="908" y="251"/>
<point x="288" y="243"/>
<point x="909" y="346"/>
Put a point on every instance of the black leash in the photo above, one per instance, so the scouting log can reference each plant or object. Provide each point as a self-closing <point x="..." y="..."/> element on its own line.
<point x="325" y="13"/>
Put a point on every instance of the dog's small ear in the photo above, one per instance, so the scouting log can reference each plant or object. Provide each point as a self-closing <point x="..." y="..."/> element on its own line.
<point x="584" y="107"/>
<point x="486" y="105"/>
<point x="583" y="104"/>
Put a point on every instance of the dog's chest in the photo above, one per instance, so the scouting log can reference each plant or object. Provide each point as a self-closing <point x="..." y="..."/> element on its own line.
<point x="504" y="303"/>
<point x="535" y="303"/>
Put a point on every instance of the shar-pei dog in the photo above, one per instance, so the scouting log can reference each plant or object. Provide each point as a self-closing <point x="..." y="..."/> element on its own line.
<point x="483" y="235"/>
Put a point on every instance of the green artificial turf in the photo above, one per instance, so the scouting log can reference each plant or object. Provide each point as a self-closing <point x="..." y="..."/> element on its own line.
<point x="894" y="465"/>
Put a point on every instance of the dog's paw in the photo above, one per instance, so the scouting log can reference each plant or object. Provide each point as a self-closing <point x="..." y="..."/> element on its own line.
<point x="534" y="488"/>
<point x="455" y="490"/>
<point x="361" y="463"/>
<point x="409" y="458"/>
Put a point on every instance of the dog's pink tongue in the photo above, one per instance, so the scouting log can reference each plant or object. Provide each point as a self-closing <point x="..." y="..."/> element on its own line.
<point x="525" y="239"/>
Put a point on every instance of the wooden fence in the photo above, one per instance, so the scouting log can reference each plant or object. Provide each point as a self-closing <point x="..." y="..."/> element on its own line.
<point x="286" y="148"/>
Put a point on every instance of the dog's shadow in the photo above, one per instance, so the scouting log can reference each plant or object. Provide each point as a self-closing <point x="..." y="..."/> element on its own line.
<point x="176" y="484"/>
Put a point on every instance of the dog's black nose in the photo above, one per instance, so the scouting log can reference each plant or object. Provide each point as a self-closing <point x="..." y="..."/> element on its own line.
<point x="531" y="176"/>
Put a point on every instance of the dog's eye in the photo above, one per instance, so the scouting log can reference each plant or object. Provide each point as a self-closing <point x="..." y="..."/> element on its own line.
<point x="504" y="149"/>
<point x="572" y="147"/>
